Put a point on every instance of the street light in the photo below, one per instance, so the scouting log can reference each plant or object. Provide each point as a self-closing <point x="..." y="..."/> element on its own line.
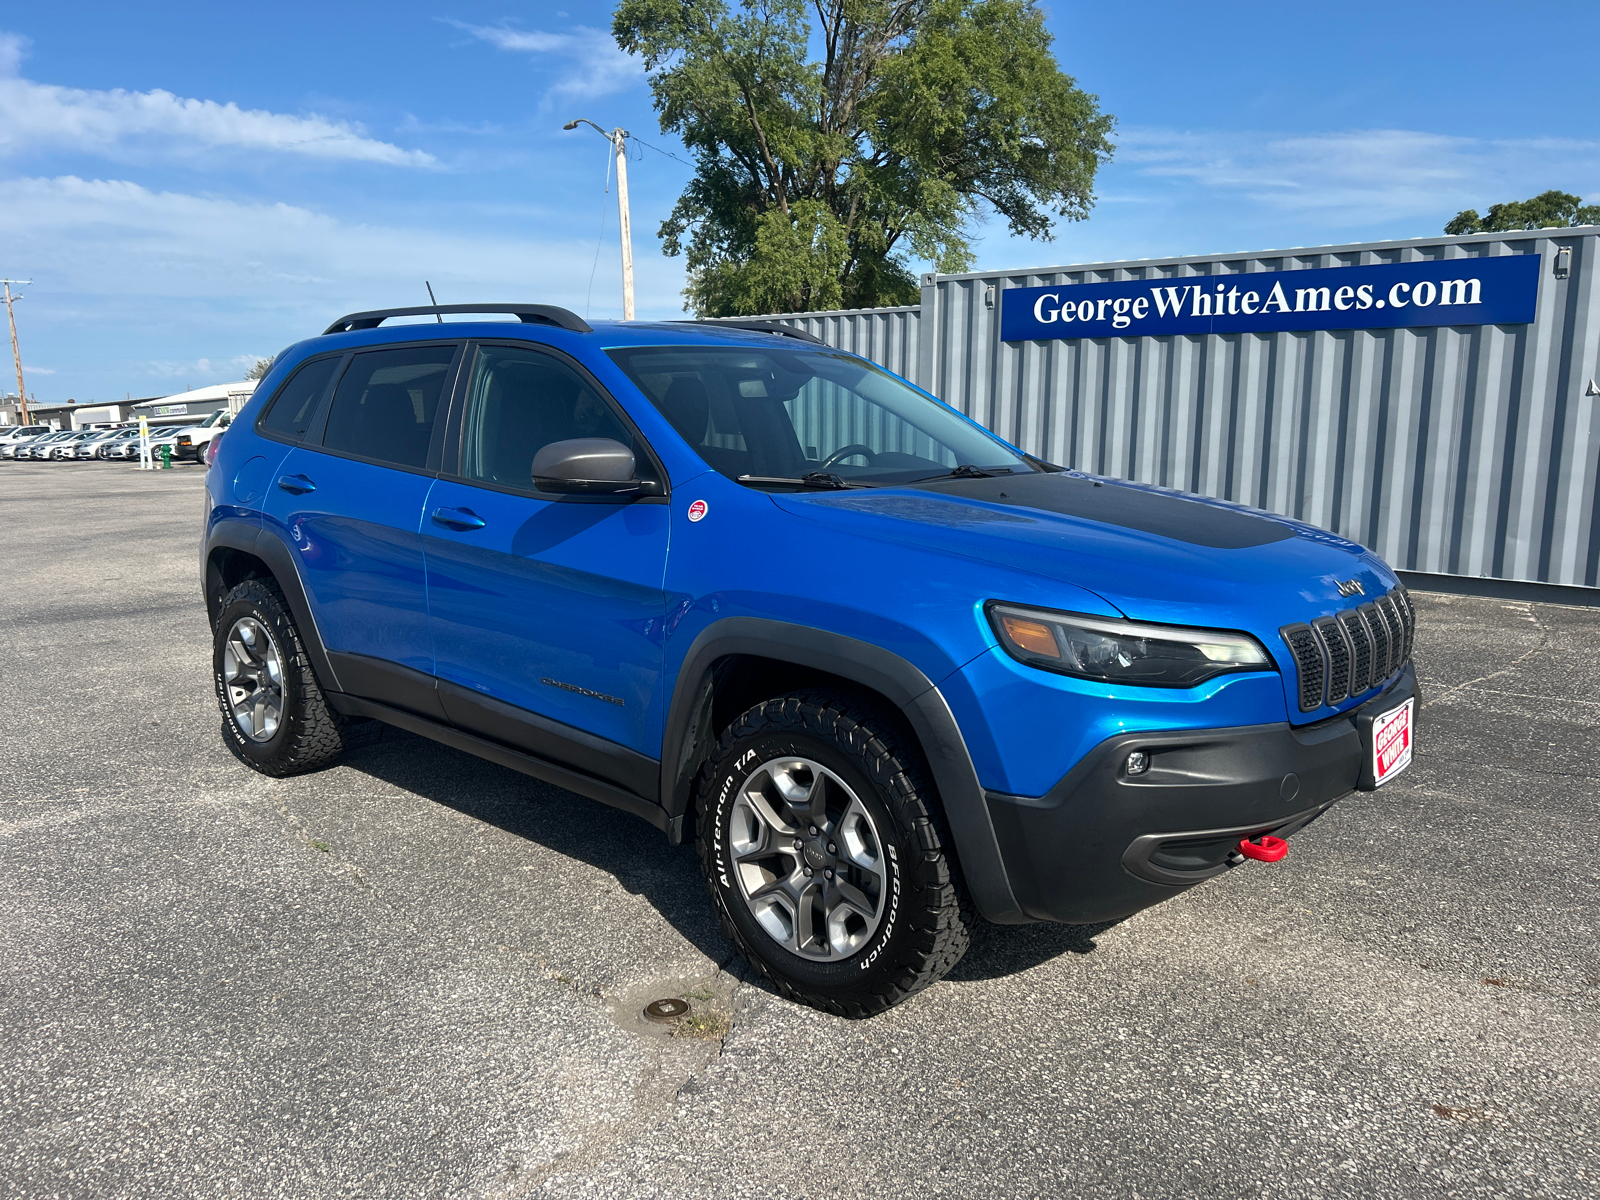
<point x="617" y="138"/>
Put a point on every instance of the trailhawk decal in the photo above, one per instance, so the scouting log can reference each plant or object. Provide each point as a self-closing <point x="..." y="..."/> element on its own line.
<point x="697" y="510"/>
<point x="583" y="691"/>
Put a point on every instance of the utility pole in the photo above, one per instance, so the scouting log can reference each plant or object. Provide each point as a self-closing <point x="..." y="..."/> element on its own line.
<point x="22" y="396"/>
<point x="618" y="138"/>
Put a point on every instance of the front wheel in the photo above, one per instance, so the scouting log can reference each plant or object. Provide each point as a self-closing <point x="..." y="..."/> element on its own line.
<point x="825" y="851"/>
<point x="274" y="715"/>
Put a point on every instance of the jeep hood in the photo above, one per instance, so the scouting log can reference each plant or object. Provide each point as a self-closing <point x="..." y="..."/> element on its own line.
<point x="1153" y="553"/>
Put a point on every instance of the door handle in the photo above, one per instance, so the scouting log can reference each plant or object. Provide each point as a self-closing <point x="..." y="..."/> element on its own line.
<point x="462" y="519"/>
<point x="299" y="485"/>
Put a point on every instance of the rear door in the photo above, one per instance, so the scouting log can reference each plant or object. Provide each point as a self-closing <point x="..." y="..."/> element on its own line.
<point x="547" y="609"/>
<point x="349" y="499"/>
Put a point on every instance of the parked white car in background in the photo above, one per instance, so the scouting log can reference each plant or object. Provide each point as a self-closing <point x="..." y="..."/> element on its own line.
<point x="120" y="437"/>
<point x="15" y="441"/>
<point x="88" y="447"/>
<point x="193" y="440"/>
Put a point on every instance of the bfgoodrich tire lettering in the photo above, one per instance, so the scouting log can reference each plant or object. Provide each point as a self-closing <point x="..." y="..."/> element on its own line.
<point x="909" y="920"/>
<point x="298" y="731"/>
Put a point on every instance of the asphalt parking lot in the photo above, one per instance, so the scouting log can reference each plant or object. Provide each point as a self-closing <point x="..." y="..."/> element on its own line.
<point x="419" y="974"/>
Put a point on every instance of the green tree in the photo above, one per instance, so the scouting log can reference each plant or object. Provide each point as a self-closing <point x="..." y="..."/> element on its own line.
<point x="1547" y="210"/>
<point x="829" y="157"/>
<point x="259" y="371"/>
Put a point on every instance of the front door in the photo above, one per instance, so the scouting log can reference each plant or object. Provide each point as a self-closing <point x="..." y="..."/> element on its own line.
<point x="547" y="610"/>
<point x="350" y="504"/>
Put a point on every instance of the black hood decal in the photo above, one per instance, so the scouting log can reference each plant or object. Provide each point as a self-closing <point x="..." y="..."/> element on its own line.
<point x="1165" y="513"/>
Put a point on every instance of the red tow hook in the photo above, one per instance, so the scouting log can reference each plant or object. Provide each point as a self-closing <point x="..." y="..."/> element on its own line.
<point x="1266" y="848"/>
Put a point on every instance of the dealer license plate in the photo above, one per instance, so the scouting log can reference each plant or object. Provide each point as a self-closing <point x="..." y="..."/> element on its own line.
<point x="1391" y="743"/>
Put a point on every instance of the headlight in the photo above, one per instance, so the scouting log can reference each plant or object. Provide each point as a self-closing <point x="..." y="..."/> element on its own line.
<point x="1123" y="651"/>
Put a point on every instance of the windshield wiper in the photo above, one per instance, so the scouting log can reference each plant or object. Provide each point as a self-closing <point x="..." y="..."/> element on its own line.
<point x="964" y="471"/>
<point x="811" y="479"/>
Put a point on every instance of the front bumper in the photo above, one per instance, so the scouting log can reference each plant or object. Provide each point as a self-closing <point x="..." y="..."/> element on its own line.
<point x="1102" y="845"/>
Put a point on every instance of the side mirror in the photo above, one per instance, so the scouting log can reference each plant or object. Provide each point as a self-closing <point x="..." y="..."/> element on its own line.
<point x="592" y="466"/>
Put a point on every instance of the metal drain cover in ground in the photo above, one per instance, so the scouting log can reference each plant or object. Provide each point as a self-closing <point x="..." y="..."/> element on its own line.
<point x="667" y="1011"/>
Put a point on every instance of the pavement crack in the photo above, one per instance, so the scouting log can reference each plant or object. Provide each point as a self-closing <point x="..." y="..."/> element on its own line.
<point x="303" y="833"/>
<point x="1544" y="640"/>
<point x="655" y="1098"/>
<point x="674" y="1064"/>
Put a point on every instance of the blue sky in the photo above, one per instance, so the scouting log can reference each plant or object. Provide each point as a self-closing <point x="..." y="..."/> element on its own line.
<point x="192" y="186"/>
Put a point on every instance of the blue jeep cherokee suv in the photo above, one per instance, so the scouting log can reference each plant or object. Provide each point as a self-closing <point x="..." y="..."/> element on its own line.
<point x="889" y="672"/>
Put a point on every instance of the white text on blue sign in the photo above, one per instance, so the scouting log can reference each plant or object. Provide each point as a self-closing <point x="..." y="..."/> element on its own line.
<point x="1501" y="290"/>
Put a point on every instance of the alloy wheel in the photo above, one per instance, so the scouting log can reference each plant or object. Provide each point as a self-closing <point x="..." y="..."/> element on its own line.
<point x="809" y="859"/>
<point x="252" y="672"/>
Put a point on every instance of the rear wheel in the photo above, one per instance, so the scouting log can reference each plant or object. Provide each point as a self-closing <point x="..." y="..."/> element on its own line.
<point x="274" y="715"/>
<point x="825" y="851"/>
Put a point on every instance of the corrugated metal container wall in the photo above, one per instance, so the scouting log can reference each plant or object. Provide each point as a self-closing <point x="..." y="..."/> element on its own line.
<point x="888" y="336"/>
<point x="1457" y="450"/>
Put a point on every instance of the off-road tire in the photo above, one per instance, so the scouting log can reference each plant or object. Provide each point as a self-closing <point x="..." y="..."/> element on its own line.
<point x="310" y="735"/>
<point x="925" y="932"/>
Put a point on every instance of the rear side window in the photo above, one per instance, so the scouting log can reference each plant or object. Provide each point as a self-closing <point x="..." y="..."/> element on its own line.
<point x="296" y="402"/>
<point x="386" y="403"/>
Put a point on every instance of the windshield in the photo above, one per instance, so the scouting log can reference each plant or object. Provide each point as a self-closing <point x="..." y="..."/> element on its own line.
<point x="771" y="415"/>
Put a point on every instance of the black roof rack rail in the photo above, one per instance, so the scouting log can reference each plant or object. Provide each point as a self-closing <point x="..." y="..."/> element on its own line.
<point x="529" y="314"/>
<point x="777" y="327"/>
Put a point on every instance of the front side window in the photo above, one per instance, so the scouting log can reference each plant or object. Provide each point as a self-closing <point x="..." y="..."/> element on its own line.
<point x="386" y="403"/>
<point x="783" y="414"/>
<point x="520" y="401"/>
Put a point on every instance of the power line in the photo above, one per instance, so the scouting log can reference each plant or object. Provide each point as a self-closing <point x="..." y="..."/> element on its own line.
<point x="634" y="137"/>
<point x="599" y="241"/>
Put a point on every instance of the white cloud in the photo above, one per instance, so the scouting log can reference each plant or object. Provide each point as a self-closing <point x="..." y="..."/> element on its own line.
<point x="597" y="66"/>
<point x="39" y="116"/>
<point x="168" y="278"/>
<point x="204" y="368"/>
<point x="1362" y="176"/>
<point x="114" y="237"/>
<point x="1174" y="191"/>
<point x="411" y="123"/>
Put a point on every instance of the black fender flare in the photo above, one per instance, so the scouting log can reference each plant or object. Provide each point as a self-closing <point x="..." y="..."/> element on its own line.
<point x="248" y="538"/>
<point x="871" y="666"/>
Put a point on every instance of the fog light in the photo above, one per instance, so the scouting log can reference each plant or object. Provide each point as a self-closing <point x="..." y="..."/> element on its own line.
<point x="1138" y="763"/>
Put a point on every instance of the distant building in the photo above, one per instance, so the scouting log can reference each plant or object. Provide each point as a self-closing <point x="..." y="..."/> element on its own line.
<point x="185" y="408"/>
<point x="57" y="416"/>
<point x="191" y="407"/>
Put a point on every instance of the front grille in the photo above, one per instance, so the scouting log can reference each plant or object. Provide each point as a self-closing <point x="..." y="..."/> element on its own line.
<point x="1408" y="618"/>
<point x="1306" y="647"/>
<point x="1339" y="657"/>
<point x="1355" y="628"/>
<point x="1353" y="651"/>
<point x="1381" y="654"/>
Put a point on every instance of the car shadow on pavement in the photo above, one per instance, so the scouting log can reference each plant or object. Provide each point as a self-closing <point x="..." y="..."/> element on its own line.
<point x="637" y="855"/>
<point x="628" y="849"/>
<point x="1001" y="950"/>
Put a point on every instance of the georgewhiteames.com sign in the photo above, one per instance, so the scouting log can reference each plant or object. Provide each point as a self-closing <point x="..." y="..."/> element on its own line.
<point x="1455" y="291"/>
